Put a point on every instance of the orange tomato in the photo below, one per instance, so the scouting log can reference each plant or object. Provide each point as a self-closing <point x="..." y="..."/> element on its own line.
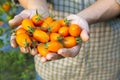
<point x="54" y="26"/>
<point x="6" y="6"/>
<point x="69" y="41"/>
<point x="42" y="49"/>
<point x="54" y="46"/>
<point x="20" y="30"/>
<point x="40" y="35"/>
<point x="49" y="19"/>
<point x="1" y="23"/>
<point x="23" y="40"/>
<point x="27" y="24"/>
<point x="63" y="22"/>
<point x="54" y="36"/>
<point x="46" y="23"/>
<point x="37" y="20"/>
<point x="64" y="31"/>
<point x="74" y="30"/>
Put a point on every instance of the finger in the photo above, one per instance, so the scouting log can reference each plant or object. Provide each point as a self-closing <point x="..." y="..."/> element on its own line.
<point x="43" y="59"/>
<point x="33" y="51"/>
<point x="18" y="18"/>
<point x="25" y="50"/>
<point x="13" y="42"/>
<point x="44" y="14"/>
<point x="53" y="56"/>
<point x="80" y="21"/>
<point x="84" y="35"/>
<point x="69" y="52"/>
<point x="38" y="55"/>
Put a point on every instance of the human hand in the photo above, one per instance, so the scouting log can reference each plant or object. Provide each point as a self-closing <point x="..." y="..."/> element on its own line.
<point x="70" y="52"/>
<point x="16" y="21"/>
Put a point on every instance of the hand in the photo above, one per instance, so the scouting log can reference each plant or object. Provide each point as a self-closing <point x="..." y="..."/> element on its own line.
<point x="16" y="21"/>
<point x="71" y="52"/>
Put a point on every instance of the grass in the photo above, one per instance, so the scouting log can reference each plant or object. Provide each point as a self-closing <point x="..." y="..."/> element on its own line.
<point x="16" y="66"/>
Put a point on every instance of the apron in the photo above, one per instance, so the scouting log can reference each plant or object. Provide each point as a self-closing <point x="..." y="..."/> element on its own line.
<point x="99" y="57"/>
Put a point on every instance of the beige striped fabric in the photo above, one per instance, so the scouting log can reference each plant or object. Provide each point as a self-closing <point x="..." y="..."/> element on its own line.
<point x="98" y="59"/>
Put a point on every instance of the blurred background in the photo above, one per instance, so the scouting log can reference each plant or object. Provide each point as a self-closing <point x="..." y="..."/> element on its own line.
<point x="13" y="64"/>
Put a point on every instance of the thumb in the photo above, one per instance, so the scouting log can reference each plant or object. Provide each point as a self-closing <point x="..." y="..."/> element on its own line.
<point x="16" y="21"/>
<point x="84" y="35"/>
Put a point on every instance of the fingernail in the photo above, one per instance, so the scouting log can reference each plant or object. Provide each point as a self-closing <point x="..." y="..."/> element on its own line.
<point x="49" y="57"/>
<point x="33" y="51"/>
<point x="11" y="21"/>
<point x="61" y="51"/>
<point x="13" y="43"/>
<point x="43" y="60"/>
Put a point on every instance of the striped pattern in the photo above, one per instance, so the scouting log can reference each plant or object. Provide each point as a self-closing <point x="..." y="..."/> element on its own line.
<point x="98" y="59"/>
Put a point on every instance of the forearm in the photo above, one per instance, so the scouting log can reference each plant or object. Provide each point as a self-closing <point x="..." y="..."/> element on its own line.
<point x="34" y="4"/>
<point x="101" y="10"/>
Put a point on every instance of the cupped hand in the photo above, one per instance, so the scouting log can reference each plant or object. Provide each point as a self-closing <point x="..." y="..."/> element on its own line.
<point x="70" y="52"/>
<point x="16" y="23"/>
<point x="62" y="53"/>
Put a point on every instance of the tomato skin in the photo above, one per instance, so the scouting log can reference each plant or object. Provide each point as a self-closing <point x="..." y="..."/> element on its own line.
<point x="37" y="20"/>
<point x="20" y="31"/>
<point x="74" y="30"/>
<point x="46" y="23"/>
<point x="54" y="36"/>
<point x="63" y="22"/>
<point x="54" y="46"/>
<point x="23" y="39"/>
<point x="41" y="36"/>
<point x="54" y="26"/>
<point x="27" y="24"/>
<point x="64" y="31"/>
<point x="43" y="51"/>
<point x="69" y="41"/>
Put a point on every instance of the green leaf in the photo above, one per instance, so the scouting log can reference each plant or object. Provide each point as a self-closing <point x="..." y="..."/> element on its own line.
<point x="1" y="31"/>
<point x="1" y="43"/>
<point x="78" y="40"/>
<point x="1" y="19"/>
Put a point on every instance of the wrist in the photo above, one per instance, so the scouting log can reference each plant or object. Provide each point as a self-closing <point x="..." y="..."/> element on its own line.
<point x="84" y="16"/>
<point x="34" y="4"/>
<point x="37" y="4"/>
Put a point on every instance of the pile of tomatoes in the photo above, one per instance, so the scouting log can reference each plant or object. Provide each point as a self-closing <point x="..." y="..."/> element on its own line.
<point x="47" y="34"/>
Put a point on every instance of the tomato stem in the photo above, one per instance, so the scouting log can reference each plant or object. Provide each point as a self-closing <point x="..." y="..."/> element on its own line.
<point x="34" y="43"/>
<point x="78" y="40"/>
<point x="31" y="29"/>
<point x="66" y="21"/>
<point x="52" y="16"/>
<point x="37" y="12"/>
<point x="26" y="44"/>
<point x="39" y="18"/>
<point x="60" y="39"/>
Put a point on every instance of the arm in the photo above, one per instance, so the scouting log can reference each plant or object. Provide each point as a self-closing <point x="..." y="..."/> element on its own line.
<point x="101" y="10"/>
<point x="30" y="9"/>
<point x="34" y="4"/>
